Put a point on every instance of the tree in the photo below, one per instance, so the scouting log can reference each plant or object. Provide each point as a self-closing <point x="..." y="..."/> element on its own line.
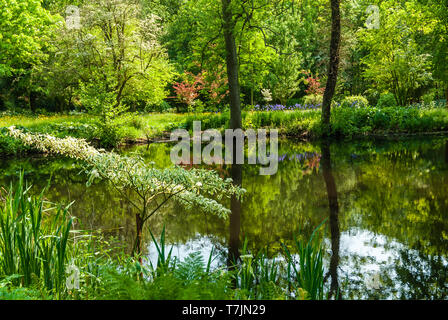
<point x="195" y="41"/>
<point x="438" y="12"/>
<point x="285" y="77"/>
<point x="333" y="65"/>
<point x="187" y="91"/>
<point x="116" y="57"/>
<point x="25" y="33"/>
<point x="396" y="61"/>
<point x="25" y="28"/>
<point x="232" y="64"/>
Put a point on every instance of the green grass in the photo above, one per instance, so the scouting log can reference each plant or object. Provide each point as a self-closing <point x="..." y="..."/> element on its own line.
<point x="347" y="122"/>
<point x="128" y="127"/>
<point x="136" y="126"/>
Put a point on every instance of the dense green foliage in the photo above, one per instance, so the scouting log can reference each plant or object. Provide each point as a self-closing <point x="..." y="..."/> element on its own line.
<point x="33" y="251"/>
<point x="81" y="74"/>
<point x="133" y="54"/>
<point x="353" y="120"/>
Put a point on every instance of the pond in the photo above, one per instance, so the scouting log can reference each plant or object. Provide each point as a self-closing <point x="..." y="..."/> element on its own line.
<point x="384" y="203"/>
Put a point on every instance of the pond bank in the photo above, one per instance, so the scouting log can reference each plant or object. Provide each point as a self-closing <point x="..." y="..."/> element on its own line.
<point x="347" y="124"/>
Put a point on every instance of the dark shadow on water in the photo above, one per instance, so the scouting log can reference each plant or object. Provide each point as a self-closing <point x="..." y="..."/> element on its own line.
<point x="235" y="219"/>
<point x="446" y="152"/>
<point x="332" y="195"/>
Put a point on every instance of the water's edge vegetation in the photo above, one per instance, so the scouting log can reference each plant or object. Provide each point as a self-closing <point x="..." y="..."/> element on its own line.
<point x="346" y="122"/>
<point x="39" y="246"/>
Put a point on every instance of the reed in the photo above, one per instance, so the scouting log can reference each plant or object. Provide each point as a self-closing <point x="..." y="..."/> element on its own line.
<point x="33" y="239"/>
<point x="308" y="273"/>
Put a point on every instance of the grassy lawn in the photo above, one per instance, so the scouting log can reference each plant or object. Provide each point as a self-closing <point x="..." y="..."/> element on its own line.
<point x="85" y="126"/>
<point x="346" y="123"/>
<point x="157" y="122"/>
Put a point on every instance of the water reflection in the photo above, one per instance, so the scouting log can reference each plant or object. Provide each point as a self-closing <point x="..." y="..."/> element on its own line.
<point x="446" y="152"/>
<point x="385" y="201"/>
<point x="235" y="218"/>
<point x="335" y="233"/>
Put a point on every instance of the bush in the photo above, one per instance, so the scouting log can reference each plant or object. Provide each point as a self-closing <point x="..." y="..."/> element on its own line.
<point x="110" y="134"/>
<point x="348" y="122"/>
<point x="15" y="293"/>
<point x="429" y="97"/>
<point x="10" y="146"/>
<point x="293" y="101"/>
<point x="386" y="100"/>
<point x="74" y="129"/>
<point x="162" y="107"/>
<point x="355" y="101"/>
<point x="313" y="99"/>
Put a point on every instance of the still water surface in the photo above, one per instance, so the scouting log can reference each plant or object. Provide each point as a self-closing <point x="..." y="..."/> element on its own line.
<point x="385" y="204"/>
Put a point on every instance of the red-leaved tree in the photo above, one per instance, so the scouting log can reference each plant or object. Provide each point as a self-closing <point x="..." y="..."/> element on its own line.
<point x="314" y="85"/>
<point x="188" y="90"/>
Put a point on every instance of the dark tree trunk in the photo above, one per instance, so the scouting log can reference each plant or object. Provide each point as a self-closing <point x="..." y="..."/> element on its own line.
<point x="333" y="65"/>
<point x="235" y="123"/>
<point x="446" y="96"/>
<point x="446" y="152"/>
<point x="235" y="223"/>
<point x="334" y="219"/>
<point x="139" y="236"/>
<point x="232" y="65"/>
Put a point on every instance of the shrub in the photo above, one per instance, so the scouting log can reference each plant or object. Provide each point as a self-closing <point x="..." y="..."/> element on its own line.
<point x="429" y="97"/>
<point x="75" y="129"/>
<point x="141" y="185"/>
<point x="11" y="146"/>
<point x="386" y="100"/>
<point x="109" y="133"/>
<point x="313" y="99"/>
<point x="355" y="101"/>
<point x="293" y="102"/>
<point x="163" y="107"/>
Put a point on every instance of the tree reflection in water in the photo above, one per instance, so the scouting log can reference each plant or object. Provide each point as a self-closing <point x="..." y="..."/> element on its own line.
<point x="390" y="203"/>
<point x="334" y="220"/>
<point x="235" y="218"/>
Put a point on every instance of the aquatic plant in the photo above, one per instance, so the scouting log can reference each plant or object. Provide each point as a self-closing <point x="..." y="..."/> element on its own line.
<point x="32" y="246"/>
<point x="308" y="272"/>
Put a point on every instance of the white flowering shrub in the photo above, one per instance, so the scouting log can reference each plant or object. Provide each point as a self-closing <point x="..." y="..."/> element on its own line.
<point x="146" y="188"/>
<point x="195" y="187"/>
<point x="70" y="147"/>
<point x="267" y="95"/>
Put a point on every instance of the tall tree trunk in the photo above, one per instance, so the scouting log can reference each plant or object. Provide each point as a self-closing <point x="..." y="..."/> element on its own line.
<point x="232" y="65"/>
<point x="333" y="65"/>
<point x="446" y="96"/>
<point x="235" y="123"/>
<point x="334" y="219"/>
